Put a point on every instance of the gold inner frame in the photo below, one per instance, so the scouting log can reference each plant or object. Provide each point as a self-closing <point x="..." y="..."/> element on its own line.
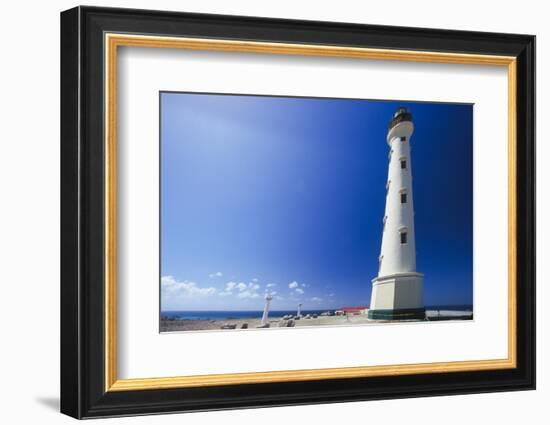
<point x="113" y="41"/>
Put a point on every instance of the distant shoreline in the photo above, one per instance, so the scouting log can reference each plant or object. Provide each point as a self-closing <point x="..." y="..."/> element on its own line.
<point x="273" y="314"/>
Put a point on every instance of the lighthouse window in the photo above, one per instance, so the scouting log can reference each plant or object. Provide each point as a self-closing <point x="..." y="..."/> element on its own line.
<point x="403" y="237"/>
<point x="403" y="139"/>
<point x="403" y="164"/>
<point x="403" y="198"/>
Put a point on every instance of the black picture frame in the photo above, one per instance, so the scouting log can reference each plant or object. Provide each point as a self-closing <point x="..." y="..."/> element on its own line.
<point x="83" y="392"/>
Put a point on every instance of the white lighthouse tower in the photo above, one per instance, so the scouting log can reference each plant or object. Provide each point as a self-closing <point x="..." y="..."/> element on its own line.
<point x="397" y="292"/>
<point x="265" y="316"/>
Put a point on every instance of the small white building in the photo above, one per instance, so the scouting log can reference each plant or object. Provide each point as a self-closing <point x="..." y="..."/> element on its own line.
<point x="397" y="291"/>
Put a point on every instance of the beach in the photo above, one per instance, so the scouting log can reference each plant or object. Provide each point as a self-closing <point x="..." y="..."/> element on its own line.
<point x="171" y="325"/>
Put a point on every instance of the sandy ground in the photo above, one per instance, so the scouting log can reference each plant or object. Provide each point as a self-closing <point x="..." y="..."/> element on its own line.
<point x="202" y="325"/>
<point x="197" y="325"/>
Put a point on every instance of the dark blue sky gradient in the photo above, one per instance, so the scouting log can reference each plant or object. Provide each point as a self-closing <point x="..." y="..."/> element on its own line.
<point x="285" y="189"/>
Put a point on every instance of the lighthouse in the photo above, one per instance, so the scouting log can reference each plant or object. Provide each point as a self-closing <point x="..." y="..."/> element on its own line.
<point x="397" y="291"/>
<point x="265" y="316"/>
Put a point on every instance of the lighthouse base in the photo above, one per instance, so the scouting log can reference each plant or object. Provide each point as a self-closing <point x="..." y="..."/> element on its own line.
<point x="398" y="297"/>
<point x="398" y="314"/>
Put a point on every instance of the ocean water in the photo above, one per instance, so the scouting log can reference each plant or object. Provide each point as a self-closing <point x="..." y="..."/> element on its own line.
<point x="229" y="315"/>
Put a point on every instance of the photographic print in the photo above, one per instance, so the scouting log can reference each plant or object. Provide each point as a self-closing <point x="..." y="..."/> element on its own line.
<point x="283" y="212"/>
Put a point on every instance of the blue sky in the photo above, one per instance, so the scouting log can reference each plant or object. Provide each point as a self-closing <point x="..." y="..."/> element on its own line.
<point x="290" y="192"/>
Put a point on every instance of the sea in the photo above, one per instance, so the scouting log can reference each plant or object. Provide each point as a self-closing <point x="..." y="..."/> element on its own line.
<point x="251" y="314"/>
<point x="230" y="315"/>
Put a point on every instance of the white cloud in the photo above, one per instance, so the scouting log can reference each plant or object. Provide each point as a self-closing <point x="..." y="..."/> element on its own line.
<point x="316" y="299"/>
<point x="251" y="291"/>
<point x="297" y="288"/>
<point x="254" y="279"/>
<point x="217" y="274"/>
<point x="186" y="288"/>
<point x="229" y="286"/>
<point x="248" y="294"/>
<point x="270" y="285"/>
<point x="331" y="295"/>
<point x="241" y="290"/>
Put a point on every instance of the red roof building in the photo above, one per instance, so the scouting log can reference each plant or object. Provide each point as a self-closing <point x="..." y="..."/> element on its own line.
<point x="354" y="310"/>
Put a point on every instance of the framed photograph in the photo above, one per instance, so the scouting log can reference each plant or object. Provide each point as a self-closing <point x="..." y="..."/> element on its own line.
<point x="261" y="212"/>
